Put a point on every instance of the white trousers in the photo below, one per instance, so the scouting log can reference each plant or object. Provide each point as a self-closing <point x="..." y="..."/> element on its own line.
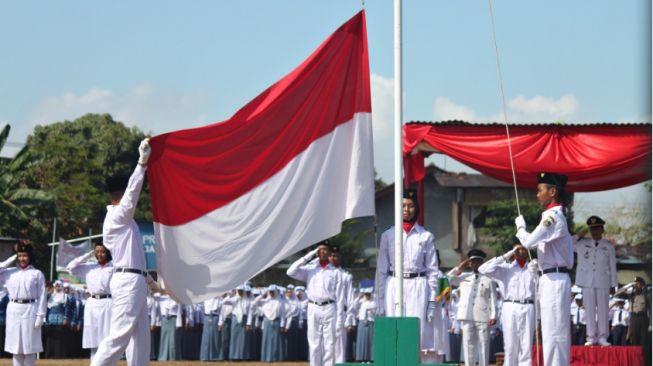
<point x="596" y="301"/>
<point x="416" y="295"/>
<point x="321" y="332"/>
<point x="518" y="321"/>
<point x="341" y="345"/>
<point x="555" y="302"/>
<point x="130" y="329"/>
<point x="24" y="360"/>
<point x="476" y="343"/>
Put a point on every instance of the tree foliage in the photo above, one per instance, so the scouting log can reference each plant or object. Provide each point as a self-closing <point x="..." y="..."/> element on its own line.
<point x="71" y="161"/>
<point x="20" y="206"/>
<point x="350" y="242"/>
<point x="499" y="229"/>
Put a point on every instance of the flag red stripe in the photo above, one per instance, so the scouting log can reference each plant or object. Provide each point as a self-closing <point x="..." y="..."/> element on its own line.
<point x="195" y="171"/>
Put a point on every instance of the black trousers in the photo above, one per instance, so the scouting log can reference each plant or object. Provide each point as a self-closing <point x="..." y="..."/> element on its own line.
<point x="618" y="334"/>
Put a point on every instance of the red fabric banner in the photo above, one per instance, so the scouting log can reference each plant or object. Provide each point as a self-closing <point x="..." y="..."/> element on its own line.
<point x="195" y="171"/>
<point x="595" y="157"/>
<point x="600" y="356"/>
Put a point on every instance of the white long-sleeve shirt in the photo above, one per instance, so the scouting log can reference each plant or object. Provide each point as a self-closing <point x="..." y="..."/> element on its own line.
<point x="212" y="306"/>
<point x="169" y="307"/>
<point x="241" y="305"/>
<point x="619" y="316"/>
<point x="120" y="232"/>
<point x="271" y="308"/>
<point x="419" y="257"/>
<point x="322" y="284"/>
<point x="517" y="282"/>
<point x="26" y="284"/>
<point x="365" y="309"/>
<point x="552" y="240"/>
<point x="96" y="276"/>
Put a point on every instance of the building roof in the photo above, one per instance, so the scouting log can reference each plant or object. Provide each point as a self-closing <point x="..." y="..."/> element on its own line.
<point x="451" y="180"/>
<point x="463" y="180"/>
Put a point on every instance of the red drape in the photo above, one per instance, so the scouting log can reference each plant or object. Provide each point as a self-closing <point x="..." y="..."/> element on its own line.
<point x="595" y="157"/>
<point x="600" y="356"/>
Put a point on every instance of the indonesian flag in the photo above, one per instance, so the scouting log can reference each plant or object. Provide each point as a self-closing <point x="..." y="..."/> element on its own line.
<point x="233" y="198"/>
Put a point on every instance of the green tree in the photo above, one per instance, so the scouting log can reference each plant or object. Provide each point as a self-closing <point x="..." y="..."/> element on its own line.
<point x="20" y="206"/>
<point x="378" y="181"/>
<point x="72" y="160"/>
<point x="350" y="242"/>
<point x="499" y="229"/>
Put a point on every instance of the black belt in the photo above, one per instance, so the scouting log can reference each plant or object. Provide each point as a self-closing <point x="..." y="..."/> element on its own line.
<point x="130" y="270"/>
<point x="321" y="303"/>
<point x="170" y="316"/>
<point x="519" y="301"/>
<point x="101" y="296"/>
<point x="556" y="270"/>
<point x="408" y="274"/>
<point x="23" y="301"/>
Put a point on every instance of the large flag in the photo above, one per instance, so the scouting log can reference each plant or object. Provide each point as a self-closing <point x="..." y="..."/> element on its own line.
<point x="235" y="197"/>
<point x="67" y="252"/>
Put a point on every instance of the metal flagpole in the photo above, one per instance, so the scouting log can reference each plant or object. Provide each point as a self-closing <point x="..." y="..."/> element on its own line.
<point x="54" y="235"/>
<point x="399" y="182"/>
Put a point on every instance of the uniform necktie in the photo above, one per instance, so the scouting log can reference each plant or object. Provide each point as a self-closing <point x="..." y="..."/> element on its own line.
<point x="620" y="316"/>
<point x="578" y="315"/>
<point x="596" y="244"/>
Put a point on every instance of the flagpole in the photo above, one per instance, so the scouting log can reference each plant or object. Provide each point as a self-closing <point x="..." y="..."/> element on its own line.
<point x="399" y="181"/>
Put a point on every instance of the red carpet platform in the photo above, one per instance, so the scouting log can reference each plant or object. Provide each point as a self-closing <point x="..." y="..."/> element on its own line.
<point x="601" y="356"/>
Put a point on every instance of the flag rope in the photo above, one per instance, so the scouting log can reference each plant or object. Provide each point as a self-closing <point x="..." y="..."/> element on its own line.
<point x="512" y="164"/>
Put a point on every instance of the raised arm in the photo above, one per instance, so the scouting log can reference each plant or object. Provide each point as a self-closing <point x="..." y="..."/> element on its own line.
<point x="297" y="270"/>
<point x="75" y="267"/>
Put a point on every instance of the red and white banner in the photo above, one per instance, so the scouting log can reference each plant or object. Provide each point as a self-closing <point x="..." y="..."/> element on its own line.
<point x="233" y="198"/>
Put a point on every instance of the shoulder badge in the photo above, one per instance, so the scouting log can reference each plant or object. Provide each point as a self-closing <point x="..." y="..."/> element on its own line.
<point x="548" y="220"/>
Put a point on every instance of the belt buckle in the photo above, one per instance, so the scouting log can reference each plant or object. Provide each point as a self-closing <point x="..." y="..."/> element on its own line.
<point x="406" y="275"/>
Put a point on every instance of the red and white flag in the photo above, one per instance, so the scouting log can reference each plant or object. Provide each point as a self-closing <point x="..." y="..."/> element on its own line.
<point x="233" y="198"/>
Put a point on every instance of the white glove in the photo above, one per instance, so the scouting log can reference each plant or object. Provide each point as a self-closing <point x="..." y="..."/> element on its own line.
<point x="312" y="254"/>
<point x="532" y="267"/>
<point x="144" y="152"/>
<point x="39" y="321"/>
<point x="300" y="324"/>
<point x="520" y="222"/>
<point x="507" y="256"/>
<point x="430" y="312"/>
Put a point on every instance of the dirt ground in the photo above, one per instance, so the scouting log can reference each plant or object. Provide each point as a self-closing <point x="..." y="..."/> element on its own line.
<point x="81" y="362"/>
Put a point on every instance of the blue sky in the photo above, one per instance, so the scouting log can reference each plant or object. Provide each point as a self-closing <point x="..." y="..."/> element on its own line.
<point x="168" y="65"/>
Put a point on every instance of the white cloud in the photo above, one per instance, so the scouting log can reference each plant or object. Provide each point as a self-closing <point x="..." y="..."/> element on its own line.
<point x="564" y="106"/>
<point x="538" y="109"/>
<point x="142" y="105"/>
<point x="445" y="109"/>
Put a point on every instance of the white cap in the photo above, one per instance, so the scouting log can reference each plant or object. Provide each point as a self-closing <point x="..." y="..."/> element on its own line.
<point x="579" y="297"/>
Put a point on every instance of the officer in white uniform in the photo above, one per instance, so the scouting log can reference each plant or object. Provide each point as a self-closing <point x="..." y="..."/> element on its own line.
<point x="27" y="306"/>
<point x="130" y="331"/>
<point x="325" y="292"/>
<point x="476" y="308"/>
<point x="518" y="308"/>
<point x="97" y="311"/>
<point x="555" y="258"/>
<point x="596" y="274"/>
<point x="420" y="277"/>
